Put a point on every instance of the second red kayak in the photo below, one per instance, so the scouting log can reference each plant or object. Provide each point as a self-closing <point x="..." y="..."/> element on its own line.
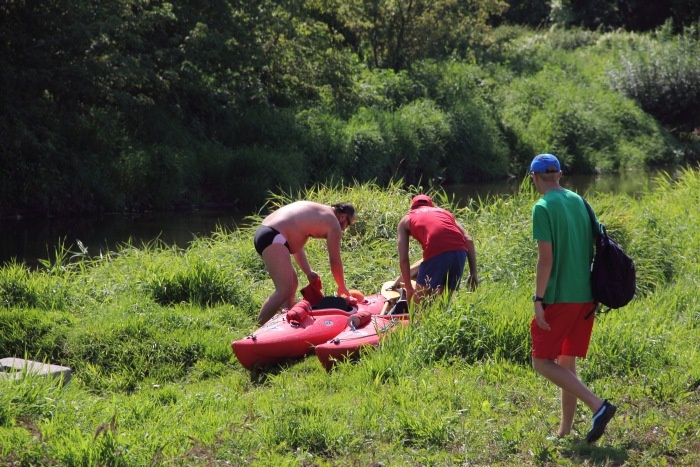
<point x="348" y="343"/>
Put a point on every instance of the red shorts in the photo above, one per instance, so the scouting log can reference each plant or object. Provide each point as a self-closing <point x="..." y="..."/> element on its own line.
<point x="570" y="331"/>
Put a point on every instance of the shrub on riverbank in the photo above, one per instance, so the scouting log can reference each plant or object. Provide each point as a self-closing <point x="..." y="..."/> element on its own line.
<point x="661" y="73"/>
<point x="155" y="381"/>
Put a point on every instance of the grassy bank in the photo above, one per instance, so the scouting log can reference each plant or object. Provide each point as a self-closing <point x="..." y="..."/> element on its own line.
<point x="147" y="332"/>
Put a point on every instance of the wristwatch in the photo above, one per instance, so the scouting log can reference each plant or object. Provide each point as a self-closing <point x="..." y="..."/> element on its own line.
<point x="535" y="298"/>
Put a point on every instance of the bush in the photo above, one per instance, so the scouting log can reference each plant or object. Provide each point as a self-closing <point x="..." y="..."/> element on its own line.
<point x="474" y="144"/>
<point x="409" y="143"/>
<point x="388" y="90"/>
<point x="253" y="171"/>
<point x="322" y="136"/>
<point x="32" y="333"/>
<point x="588" y="127"/>
<point x="662" y="75"/>
<point x="19" y="287"/>
<point x="197" y="282"/>
<point x="418" y="133"/>
<point x="151" y="177"/>
<point x="367" y="154"/>
<point x="477" y="149"/>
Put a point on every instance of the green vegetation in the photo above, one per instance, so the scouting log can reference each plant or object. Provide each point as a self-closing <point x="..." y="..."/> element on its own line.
<point x="147" y="332"/>
<point x="132" y="105"/>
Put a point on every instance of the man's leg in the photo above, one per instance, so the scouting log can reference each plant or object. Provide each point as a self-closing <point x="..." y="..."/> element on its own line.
<point x="567" y="381"/>
<point x="568" y="400"/>
<point x="421" y="292"/>
<point x="439" y="275"/>
<point x="279" y="265"/>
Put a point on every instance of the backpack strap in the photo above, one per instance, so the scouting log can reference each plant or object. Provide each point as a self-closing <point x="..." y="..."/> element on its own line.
<point x="595" y="307"/>
<point x="591" y="214"/>
<point x="596" y="233"/>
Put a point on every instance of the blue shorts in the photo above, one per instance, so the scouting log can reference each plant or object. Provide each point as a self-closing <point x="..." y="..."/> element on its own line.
<point x="445" y="268"/>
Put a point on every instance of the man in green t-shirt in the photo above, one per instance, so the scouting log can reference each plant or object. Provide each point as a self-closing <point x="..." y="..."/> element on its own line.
<point x="563" y="302"/>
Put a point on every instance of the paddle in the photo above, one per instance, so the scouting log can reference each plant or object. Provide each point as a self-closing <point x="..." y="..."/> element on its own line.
<point x="391" y="289"/>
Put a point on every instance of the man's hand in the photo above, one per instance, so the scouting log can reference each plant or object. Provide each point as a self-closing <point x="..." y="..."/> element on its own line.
<point x="410" y="291"/>
<point x="312" y="276"/>
<point x="472" y="281"/>
<point x="539" y="316"/>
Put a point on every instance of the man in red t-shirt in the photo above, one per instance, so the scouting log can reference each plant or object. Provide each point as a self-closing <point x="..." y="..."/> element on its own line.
<point x="446" y="248"/>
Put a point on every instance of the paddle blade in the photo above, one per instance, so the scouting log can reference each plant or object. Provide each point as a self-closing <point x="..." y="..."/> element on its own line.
<point x="389" y="291"/>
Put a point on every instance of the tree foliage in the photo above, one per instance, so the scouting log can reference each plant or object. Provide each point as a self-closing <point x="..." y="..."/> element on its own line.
<point x="134" y="104"/>
<point x="630" y="15"/>
<point x="395" y="33"/>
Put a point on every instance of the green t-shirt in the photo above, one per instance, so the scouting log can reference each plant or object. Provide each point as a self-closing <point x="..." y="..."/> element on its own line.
<point x="561" y="218"/>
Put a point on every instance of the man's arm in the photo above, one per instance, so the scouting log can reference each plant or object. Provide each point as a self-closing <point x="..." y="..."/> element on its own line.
<point x="544" y="269"/>
<point x="333" y="243"/>
<point x="403" y="234"/>
<point x="473" y="279"/>
<point x="303" y="262"/>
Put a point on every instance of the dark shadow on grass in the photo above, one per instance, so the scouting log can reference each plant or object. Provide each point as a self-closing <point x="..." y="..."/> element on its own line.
<point x="582" y="453"/>
<point x="260" y="374"/>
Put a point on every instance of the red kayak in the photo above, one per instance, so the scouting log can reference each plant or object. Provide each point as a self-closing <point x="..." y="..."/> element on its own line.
<point x="295" y="333"/>
<point x="357" y="335"/>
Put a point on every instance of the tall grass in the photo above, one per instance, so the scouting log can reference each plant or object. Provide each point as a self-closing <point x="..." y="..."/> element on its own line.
<point x="147" y="331"/>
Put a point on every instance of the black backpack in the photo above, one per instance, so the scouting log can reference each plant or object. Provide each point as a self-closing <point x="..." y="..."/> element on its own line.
<point x="613" y="275"/>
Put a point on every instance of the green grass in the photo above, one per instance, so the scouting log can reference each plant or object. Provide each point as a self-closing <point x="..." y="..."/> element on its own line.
<point x="147" y="332"/>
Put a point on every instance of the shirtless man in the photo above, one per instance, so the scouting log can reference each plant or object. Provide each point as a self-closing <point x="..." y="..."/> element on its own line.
<point x="284" y="233"/>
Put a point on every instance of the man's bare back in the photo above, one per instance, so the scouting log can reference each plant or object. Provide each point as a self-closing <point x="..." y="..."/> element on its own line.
<point x="303" y="219"/>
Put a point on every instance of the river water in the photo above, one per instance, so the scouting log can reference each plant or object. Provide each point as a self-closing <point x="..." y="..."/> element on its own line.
<point x="29" y="240"/>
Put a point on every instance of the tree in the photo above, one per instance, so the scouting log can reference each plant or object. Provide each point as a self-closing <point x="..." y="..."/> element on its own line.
<point x="395" y="33"/>
<point x="631" y="15"/>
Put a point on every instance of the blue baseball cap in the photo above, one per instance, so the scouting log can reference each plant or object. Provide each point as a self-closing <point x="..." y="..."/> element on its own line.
<point x="545" y="163"/>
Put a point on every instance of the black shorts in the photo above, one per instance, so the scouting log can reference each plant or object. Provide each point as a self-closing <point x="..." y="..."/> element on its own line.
<point x="266" y="236"/>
